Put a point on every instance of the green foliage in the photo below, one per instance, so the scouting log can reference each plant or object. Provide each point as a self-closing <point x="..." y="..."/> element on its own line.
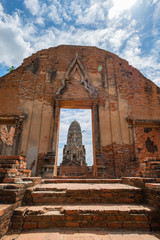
<point x="10" y="69"/>
<point x="100" y="68"/>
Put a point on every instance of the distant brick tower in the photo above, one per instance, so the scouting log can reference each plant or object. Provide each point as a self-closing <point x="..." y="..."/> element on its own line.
<point x="74" y="151"/>
<point x="74" y="162"/>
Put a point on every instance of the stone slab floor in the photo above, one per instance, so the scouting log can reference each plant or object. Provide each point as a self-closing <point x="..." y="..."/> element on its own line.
<point x="86" y="234"/>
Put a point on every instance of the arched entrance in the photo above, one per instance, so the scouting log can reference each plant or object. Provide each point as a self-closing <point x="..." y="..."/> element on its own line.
<point x="76" y="91"/>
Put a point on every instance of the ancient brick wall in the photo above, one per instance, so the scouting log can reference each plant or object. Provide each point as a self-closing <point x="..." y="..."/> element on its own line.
<point x="9" y="97"/>
<point x="147" y="141"/>
<point x="83" y="77"/>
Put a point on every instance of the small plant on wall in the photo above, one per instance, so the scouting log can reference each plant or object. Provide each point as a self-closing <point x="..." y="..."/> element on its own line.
<point x="10" y="69"/>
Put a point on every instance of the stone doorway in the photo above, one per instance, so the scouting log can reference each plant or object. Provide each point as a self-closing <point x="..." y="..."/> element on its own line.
<point x="59" y="104"/>
<point x="75" y="91"/>
<point x="75" y="150"/>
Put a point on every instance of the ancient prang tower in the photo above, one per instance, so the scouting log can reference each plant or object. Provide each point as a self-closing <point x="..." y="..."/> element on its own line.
<point x="74" y="162"/>
<point x="74" y="151"/>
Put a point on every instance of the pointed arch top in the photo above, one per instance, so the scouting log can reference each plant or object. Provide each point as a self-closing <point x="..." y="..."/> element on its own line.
<point x="84" y="78"/>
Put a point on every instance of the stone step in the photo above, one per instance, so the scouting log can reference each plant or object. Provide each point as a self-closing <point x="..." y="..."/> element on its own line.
<point x="117" y="216"/>
<point x="82" y="193"/>
<point x="82" y="234"/>
<point x="5" y="218"/>
<point x="80" y="180"/>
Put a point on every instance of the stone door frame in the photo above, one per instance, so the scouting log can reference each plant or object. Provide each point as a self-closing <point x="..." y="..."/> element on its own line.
<point x="82" y="104"/>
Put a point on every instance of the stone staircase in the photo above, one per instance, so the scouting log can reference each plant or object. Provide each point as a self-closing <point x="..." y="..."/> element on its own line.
<point x="82" y="203"/>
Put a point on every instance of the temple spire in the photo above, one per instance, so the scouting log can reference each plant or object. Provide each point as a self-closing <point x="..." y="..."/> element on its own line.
<point x="74" y="151"/>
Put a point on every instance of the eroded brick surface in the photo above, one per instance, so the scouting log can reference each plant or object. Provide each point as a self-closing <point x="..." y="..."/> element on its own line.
<point x="13" y="166"/>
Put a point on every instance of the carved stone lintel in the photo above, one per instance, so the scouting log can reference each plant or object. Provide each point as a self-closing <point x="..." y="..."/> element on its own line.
<point x="85" y="80"/>
<point x="142" y="122"/>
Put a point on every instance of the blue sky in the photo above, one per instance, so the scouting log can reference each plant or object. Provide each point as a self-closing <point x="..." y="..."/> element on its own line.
<point x="128" y="28"/>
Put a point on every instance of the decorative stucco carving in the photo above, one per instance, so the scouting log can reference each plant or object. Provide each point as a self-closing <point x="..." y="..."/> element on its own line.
<point x="76" y="65"/>
<point x="10" y="128"/>
<point x="7" y="134"/>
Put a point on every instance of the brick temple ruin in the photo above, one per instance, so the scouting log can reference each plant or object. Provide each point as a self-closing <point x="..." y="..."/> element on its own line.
<point x="125" y="108"/>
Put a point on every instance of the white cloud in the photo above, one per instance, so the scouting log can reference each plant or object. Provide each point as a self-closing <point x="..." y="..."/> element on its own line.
<point x="155" y="1"/>
<point x="40" y="21"/>
<point x="150" y="2"/>
<point x="58" y="12"/>
<point x="75" y="8"/>
<point x="149" y="64"/>
<point x="1" y="10"/>
<point x="156" y="20"/>
<point x="112" y="36"/>
<point x="33" y="6"/>
<point x="133" y="47"/>
<point x="120" y="6"/>
<point x="93" y="14"/>
<point x="54" y="15"/>
<point x="12" y="39"/>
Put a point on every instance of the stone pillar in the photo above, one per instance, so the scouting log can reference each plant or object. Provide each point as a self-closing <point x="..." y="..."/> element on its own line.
<point x="99" y="166"/>
<point x="116" y="131"/>
<point x="132" y="138"/>
<point x="18" y="135"/>
<point x="51" y="158"/>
